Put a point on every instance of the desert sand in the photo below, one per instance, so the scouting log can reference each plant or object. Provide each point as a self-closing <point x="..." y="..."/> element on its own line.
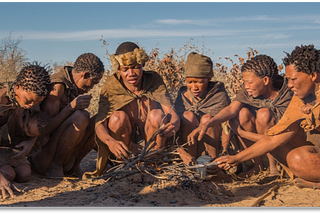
<point x="143" y="190"/>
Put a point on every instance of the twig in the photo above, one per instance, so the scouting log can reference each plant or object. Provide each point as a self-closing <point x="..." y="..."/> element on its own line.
<point x="143" y="152"/>
<point x="257" y="202"/>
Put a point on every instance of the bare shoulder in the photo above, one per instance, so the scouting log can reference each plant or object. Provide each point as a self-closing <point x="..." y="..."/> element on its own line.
<point x="58" y="90"/>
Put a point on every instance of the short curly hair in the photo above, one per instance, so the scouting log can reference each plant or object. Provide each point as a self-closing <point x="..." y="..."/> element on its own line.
<point x="43" y="122"/>
<point x="262" y="66"/>
<point x="35" y="78"/>
<point x="89" y="62"/>
<point x="306" y="59"/>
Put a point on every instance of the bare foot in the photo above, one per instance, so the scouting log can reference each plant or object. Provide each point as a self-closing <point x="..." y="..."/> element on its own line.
<point x="299" y="182"/>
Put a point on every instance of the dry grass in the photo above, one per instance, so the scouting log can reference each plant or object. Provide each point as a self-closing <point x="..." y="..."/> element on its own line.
<point x="169" y="65"/>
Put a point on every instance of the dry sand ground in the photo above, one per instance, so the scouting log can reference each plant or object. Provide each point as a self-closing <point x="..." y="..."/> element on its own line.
<point x="144" y="191"/>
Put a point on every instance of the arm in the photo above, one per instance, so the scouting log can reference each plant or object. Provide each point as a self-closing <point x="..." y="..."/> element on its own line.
<point x="26" y="148"/>
<point x="264" y="145"/>
<point x="173" y="125"/>
<point x="52" y="104"/>
<point x="225" y="114"/>
<point x="236" y="128"/>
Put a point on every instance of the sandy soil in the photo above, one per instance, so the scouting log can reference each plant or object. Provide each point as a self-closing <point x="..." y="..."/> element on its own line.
<point x="142" y="190"/>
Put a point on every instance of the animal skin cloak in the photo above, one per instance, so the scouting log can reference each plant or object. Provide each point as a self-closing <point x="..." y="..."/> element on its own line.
<point x="63" y="76"/>
<point x="114" y="96"/>
<point x="310" y="123"/>
<point x="215" y="100"/>
<point x="278" y="105"/>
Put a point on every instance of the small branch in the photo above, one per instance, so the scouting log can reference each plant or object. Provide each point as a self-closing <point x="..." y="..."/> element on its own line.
<point x="257" y="202"/>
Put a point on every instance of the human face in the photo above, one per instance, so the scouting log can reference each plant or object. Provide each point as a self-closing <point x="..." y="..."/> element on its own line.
<point x="197" y="86"/>
<point x="27" y="99"/>
<point x="301" y="84"/>
<point x="131" y="75"/>
<point x="253" y="84"/>
<point x="86" y="83"/>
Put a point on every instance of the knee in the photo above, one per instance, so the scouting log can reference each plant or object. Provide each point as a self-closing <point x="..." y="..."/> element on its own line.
<point x="189" y="117"/>
<point x="81" y="119"/>
<point x="155" y="117"/>
<point x="294" y="159"/>
<point x="302" y="159"/>
<point x="23" y="173"/>
<point x="265" y="117"/>
<point x="245" y="116"/>
<point x="8" y="172"/>
<point x="118" y="120"/>
<point x="205" y="118"/>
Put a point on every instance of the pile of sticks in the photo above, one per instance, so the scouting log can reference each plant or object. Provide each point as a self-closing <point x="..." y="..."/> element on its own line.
<point x="164" y="163"/>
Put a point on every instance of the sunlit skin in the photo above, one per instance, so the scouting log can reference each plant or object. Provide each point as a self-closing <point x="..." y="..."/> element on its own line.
<point x="85" y="83"/>
<point x="116" y="131"/>
<point x="300" y="156"/>
<point x="197" y="86"/>
<point x="257" y="86"/>
<point x="301" y="84"/>
<point x="131" y="76"/>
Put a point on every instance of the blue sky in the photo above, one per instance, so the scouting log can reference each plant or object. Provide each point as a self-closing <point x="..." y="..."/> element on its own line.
<point x="58" y="31"/>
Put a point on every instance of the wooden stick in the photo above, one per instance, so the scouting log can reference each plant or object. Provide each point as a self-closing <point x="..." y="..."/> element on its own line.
<point x="257" y="202"/>
<point x="144" y="151"/>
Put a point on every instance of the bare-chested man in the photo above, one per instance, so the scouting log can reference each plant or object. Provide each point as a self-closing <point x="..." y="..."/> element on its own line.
<point x="133" y="104"/>
<point x="294" y="140"/>
<point x="32" y="85"/>
<point x="257" y="107"/>
<point x="71" y="135"/>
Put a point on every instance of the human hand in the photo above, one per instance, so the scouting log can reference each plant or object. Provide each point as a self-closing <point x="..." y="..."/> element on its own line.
<point x="81" y="102"/>
<point x="168" y="130"/>
<point x="306" y="109"/>
<point x="26" y="148"/>
<point x="5" y="187"/>
<point x="118" y="148"/>
<point x="197" y="134"/>
<point x="226" y="162"/>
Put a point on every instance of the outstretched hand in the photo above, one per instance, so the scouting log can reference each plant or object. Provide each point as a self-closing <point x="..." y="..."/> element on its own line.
<point x="119" y="149"/>
<point x="226" y="162"/>
<point x="197" y="134"/>
<point x="26" y="148"/>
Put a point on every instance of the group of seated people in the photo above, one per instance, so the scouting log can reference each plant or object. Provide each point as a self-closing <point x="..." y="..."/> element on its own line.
<point x="45" y="128"/>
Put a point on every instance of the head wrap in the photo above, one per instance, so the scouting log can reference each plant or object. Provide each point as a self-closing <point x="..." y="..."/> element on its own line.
<point x="138" y="56"/>
<point x="198" y="65"/>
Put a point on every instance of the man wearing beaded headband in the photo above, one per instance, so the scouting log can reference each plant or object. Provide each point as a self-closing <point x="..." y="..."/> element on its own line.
<point x="133" y="104"/>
